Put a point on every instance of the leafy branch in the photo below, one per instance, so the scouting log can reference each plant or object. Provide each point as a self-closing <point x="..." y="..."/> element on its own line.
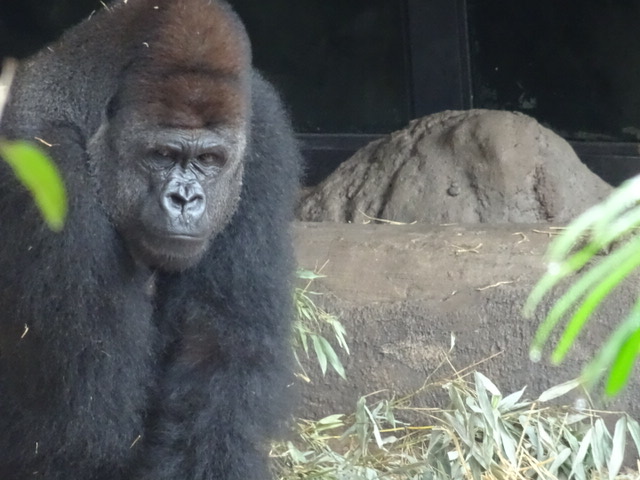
<point x="609" y="226"/>
<point x="311" y="321"/>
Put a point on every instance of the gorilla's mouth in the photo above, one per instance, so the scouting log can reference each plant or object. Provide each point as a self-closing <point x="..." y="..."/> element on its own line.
<point x="183" y="237"/>
<point x="168" y="251"/>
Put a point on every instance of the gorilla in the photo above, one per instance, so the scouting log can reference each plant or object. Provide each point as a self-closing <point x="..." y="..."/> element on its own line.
<point x="149" y="340"/>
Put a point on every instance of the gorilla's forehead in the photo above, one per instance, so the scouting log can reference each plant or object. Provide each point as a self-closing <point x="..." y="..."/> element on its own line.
<point x="191" y="66"/>
<point x="191" y="140"/>
<point x="196" y="100"/>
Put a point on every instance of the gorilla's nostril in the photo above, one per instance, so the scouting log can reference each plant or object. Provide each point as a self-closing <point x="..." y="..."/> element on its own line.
<point x="178" y="200"/>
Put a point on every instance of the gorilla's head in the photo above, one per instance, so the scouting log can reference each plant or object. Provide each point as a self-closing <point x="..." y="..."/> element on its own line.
<point x="169" y="153"/>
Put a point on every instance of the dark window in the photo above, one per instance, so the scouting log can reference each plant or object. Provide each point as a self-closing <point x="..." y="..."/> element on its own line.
<point x="574" y="66"/>
<point x="341" y="65"/>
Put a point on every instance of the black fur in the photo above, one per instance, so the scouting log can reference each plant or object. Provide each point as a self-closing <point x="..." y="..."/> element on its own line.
<point x="112" y="371"/>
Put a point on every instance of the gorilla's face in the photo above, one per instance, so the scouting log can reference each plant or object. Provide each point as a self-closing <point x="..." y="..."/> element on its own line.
<point x="168" y="190"/>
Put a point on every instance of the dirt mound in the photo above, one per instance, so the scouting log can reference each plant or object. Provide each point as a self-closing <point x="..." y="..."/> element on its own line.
<point x="460" y="167"/>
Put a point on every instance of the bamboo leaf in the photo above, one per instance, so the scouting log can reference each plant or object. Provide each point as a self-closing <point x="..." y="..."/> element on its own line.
<point x="563" y="244"/>
<point x="573" y="294"/>
<point x="634" y="429"/>
<point x="335" y="419"/>
<point x="375" y="428"/>
<point x="600" y="445"/>
<point x="599" y="292"/>
<point x="487" y="384"/>
<point x="508" y="442"/>
<point x="307" y="274"/>
<point x="582" y="453"/>
<point x="558" y="390"/>
<point x="608" y="352"/>
<point x="561" y="457"/>
<point x="617" y="448"/>
<point x="621" y="226"/>
<point x="621" y="199"/>
<point x="623" y="364"/>
<point x="511" y="401"/>
<point x="322" y="358"/>
<point x="332" y="357"/>
<point x="41" y="178"/>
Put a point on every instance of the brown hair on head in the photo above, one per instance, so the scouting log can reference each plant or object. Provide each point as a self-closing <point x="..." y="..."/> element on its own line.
<point x="192" y="67"/>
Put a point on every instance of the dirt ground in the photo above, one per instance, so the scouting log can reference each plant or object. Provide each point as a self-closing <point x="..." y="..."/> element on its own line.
<point x="406" y="293"/>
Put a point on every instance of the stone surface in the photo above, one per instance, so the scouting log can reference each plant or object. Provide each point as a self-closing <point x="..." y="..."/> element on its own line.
<point x="402" y="292"/>
<point x="477" y="166"/>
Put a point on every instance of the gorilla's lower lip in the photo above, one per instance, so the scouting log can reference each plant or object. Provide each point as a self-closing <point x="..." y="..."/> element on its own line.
<point x="159" y="237"/>
<point x="185" y="237"/>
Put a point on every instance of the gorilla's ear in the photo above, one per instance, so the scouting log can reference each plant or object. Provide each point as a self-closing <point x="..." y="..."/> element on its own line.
<point x="110" y="109"/>
<point x="96" y="143"/>
<point x="106" y="119"/>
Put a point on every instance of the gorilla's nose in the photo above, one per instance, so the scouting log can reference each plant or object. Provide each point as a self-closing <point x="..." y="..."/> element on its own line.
<point x="184" y="200"/>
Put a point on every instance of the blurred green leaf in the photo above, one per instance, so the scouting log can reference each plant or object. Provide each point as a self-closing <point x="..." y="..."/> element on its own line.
<point x="624" y="264"/>
<point x="40" y="176"/>
<point x="575" y="292"/>
<point x="307" y="274"/>
<point x="610" y="350"/>
<point x="623" y="364"/>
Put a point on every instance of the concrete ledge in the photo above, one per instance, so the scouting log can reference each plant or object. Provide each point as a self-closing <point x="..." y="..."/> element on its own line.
<point x="402" y="291"/>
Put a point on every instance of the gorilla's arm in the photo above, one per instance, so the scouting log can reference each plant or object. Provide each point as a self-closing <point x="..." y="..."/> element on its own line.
<point x="65" y="300"/>
<point x="227" y="387"/>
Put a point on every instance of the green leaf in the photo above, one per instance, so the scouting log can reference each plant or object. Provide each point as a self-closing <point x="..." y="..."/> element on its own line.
<point x="481" y="379"/>
<point x="307" y="274"/>
<point x="605" y="268"/>
<point x="511" y="401"/>
<point x="600" y="445"/>
<point x="563" y="244"/>
<point x="623" y="364"/>
<point x="558" y="390"/>
<point x="609" y="351"/>
<point x="322" y="357"/>
<point x="375" y="429"/>
<point x="335" y="419"/>
<point x="631" y="252"/>
<point x="621" y="226"/>
<point x="582" y="453"/>
<point x="618" y="446"/>
<point x="304" y="342"/>
<point x="509" y="445"/>
<point x="634" y="429"/>
<point x="559" y="460"/>
<point x="41" y="177"/>
<point x="332" y="357"/>
<point x="620" y="200"/>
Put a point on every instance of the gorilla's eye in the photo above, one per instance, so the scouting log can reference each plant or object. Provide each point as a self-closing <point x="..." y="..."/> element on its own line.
<point x="212" y="159"/>
<point x="162" y="158"/>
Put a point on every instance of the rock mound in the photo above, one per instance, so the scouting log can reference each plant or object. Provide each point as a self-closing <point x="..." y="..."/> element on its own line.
<point x="476" y="166"/>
